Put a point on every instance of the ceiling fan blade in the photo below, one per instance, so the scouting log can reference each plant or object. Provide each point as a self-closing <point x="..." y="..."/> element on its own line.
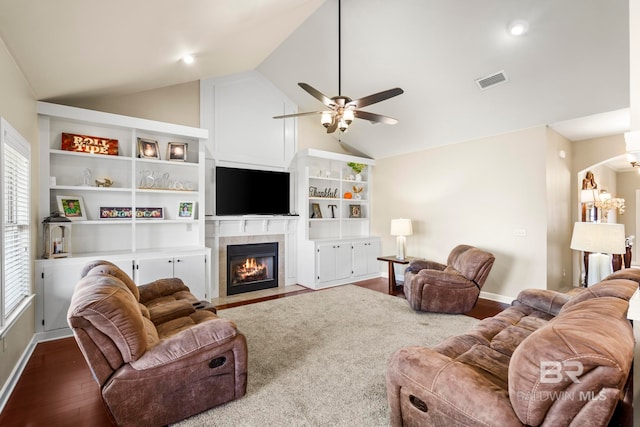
<point x="318" y="95"/>
<point x="374" y="118"/>
<point x="286" y="116"/>
<point x="376" y="97"/>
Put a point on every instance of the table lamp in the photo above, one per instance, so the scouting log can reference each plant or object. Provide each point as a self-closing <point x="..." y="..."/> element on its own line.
<point x="401" y="227"/>
<point x="598" y="240"/>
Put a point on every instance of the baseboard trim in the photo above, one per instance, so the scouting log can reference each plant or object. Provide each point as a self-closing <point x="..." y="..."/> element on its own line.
<point x="496" y="297"/>
<point x="11" y="382"/>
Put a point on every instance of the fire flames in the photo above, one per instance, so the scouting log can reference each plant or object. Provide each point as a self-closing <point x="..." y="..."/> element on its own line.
<point x="250" y="271"/>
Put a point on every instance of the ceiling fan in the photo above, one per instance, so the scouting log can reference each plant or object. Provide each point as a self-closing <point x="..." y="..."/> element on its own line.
<point x="342" y="109"/>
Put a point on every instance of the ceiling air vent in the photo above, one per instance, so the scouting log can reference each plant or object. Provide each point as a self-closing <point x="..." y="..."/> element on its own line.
<point x="492" y="80"/>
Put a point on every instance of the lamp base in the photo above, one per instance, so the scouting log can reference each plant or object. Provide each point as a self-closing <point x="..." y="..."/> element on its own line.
<point x="600" y="266"/>
<point x="401" y="247"/>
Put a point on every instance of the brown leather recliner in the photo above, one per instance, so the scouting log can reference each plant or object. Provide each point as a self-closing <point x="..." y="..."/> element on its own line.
<point x="154" y="372"/>
<point x="451" y="288"/>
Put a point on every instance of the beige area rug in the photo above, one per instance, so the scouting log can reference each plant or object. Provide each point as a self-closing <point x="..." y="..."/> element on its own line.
<point x="319" y="359"/>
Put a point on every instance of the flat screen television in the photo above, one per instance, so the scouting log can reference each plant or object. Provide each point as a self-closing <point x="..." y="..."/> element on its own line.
<point x="251" y="192"/>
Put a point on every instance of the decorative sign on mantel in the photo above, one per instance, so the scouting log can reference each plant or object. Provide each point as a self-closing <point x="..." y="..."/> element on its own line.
<point x="89" y="144"/>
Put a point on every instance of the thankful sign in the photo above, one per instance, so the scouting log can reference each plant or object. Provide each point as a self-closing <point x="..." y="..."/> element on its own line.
<point x="89" y="144"/>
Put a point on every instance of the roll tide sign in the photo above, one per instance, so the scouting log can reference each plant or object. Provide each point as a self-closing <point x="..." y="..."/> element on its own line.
<point x="89" y="144"/>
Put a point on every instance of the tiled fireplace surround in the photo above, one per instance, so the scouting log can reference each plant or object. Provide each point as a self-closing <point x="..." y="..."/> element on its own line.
<point x="221" y="232"/>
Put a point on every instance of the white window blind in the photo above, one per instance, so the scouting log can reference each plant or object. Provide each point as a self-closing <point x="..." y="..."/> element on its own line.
<point x="16" y="280"/>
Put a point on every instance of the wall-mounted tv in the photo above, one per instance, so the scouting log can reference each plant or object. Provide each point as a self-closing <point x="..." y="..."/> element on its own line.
<point x="251" y="192"/>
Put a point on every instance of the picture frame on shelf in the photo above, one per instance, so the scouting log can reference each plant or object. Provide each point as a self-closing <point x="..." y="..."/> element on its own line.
<point x="148" y="149"/>
<point x="315" y="210"/>
<point x="149" y="213"/>
<point x="72" y="207"/>
<point x="108" y="212"/>
<point x="186" y="210"/>
<point x="355" y="211"/>
<point x="177" y="151"/>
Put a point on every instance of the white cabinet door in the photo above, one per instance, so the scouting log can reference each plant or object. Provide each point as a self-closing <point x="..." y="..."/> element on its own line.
<point x="344" y="265"/>
<point x="150" y="269"/>
<point x="334" y="261"/>
<point x="373" y="252"/>
<point x="58" y="282"/>
<point x="326" y="265"/>
<point x="189" y="268"/>
<point x="360" y="252"/>
<point x="192" y="270"/>
<point x="365" y="253"/>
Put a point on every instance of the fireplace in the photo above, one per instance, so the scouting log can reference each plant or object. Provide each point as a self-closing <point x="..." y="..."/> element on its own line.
<point x="252" y="267"/>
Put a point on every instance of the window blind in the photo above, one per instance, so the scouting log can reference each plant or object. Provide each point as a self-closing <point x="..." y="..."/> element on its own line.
<point x="16" y="227"/>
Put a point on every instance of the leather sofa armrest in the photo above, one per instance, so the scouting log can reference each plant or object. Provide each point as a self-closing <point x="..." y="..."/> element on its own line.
<point x="444" y="391"/>
<point x="162" y="288"/>
<point x="199" y="337"/>
<point x="418" y="264"/>
<point x="544" y="300"/>
<point x="170" y="310"/>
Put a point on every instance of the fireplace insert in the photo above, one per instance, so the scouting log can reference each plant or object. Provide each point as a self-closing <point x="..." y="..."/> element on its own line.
<point x="252" y="267"/>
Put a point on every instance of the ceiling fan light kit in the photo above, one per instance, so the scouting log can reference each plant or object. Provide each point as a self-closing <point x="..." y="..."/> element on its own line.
<point x="342" y="109"/>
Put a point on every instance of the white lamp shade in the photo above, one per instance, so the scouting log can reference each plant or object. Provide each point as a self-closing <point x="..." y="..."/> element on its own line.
<point x="598" y="237"/>
<point x="588" y="196"/>
<point x="401" y="227"/>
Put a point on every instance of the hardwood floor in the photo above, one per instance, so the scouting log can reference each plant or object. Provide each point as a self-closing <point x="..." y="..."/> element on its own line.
<point x="57" y="388"/>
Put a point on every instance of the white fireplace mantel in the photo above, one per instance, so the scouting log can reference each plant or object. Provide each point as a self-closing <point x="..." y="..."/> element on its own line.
<point x="280" y="227"/>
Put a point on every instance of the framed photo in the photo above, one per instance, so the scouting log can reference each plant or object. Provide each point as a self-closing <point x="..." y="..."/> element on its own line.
<point x="72" y="207"/>
<point x="177" y="151"/>
<point x="186" y="210"/>
<point x="149" y="213"/>
<point x="355" y="211"/>
<point x="315" y="210"/>
<point x="148" y="149"/>
<point x="115" y="212"/>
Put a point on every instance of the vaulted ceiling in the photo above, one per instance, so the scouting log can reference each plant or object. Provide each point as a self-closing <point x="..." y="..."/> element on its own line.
<point x="573" y="62"/>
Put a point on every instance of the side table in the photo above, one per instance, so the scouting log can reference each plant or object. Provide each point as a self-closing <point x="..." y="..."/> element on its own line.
<point x="391" y="259"/>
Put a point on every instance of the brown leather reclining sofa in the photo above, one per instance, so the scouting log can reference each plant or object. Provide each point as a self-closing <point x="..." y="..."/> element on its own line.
<point x="156" y="355"/>
<point x="551" y="359"/>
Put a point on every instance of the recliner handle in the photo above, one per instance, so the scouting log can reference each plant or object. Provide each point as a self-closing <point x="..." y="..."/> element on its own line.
<point x="217" y="362"/>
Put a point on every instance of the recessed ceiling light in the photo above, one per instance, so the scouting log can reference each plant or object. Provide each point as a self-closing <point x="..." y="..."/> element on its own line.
<point x="188" y="59"/>
<point x="518" y="27"/>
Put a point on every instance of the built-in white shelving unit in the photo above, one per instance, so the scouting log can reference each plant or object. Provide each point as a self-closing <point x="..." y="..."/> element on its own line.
<point x="335" y="242"/>
<point x="138" y="182"/>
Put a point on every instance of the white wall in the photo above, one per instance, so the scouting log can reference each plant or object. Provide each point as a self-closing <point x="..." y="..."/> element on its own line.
<point x="477" y="192"/>
<point x="559" y="220"/>
<point x="177" y="104"/>
<point x="18" y="106"/>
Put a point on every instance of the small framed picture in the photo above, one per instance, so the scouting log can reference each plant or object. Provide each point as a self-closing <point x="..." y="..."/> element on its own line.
<point x="186" y="210"/>
<point x="72" y="207"/>
<point x="355" y="211"/>
<point x="149" y="213"/>
<point x="107" y="212"/>
<point x="315" y="210"/>
<point x="177" y="151"/>
<point x="148" y="149"/>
